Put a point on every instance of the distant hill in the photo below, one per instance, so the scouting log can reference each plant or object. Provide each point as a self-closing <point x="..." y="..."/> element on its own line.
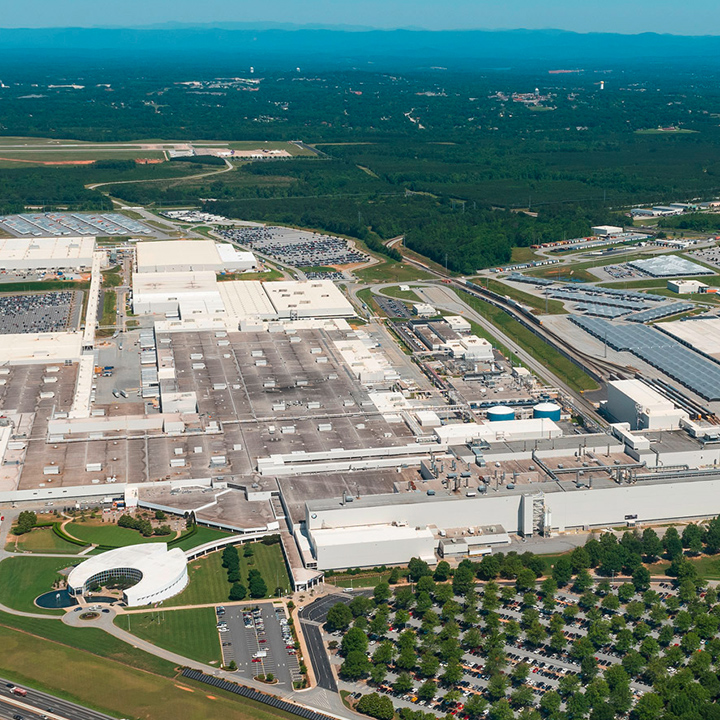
<point x="290" y="46"/>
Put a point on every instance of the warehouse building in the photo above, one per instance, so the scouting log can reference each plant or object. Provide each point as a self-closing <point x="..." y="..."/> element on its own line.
<point x="606" y="230"/>
<point x="177" y="294"/>
<point x="634" y="402"/>
<point x="52" y="253"/>
<point x="163" y="256"/>
<point x="686" y="287"/>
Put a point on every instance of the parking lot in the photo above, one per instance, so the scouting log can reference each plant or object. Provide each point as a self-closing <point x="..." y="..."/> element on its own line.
<point x="299" y="248"/>
<point x="258" y="639"/>
<point x="392" y="308"/>
<point x="40" y="312"/>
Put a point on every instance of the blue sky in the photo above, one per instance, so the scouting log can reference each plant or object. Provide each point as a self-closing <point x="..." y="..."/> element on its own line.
<point x="692" y="17"/>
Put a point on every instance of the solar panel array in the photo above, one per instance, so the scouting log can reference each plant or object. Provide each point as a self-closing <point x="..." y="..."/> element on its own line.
<point x="694" y="371"/>
<point x="584" y="297"/>
<point x="530" y="280"/>
<point x="661" y="311"/>
<point x="616" y="292"/>
<point x="251" y="694"/>
<point x="601" y="310"/>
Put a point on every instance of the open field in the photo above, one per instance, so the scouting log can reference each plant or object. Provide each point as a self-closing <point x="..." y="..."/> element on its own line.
<point x="541" y="351"/>
<point x="22" y="579"/>
<point x="202" y="536"/>
<point x="707" y="567"/>
<point x="554" y="307"/>
<point x="366" y="296"/>
<point x="114" y="686"/>
<point x="208" y="578"/>
<point x="42" y="540"/>
<point x="191" y="633"/>
<point x="392" y="272"/>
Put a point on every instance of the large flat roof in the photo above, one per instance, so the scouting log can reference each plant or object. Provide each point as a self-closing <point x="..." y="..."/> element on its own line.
<point x="174" y="283"/>
<point x="246" y="298"/>
<point x="314" y="298"/>
<point x="58" y="250"/>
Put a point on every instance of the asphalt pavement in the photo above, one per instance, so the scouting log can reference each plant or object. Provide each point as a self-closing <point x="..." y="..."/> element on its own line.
<point x="44" y="704"/>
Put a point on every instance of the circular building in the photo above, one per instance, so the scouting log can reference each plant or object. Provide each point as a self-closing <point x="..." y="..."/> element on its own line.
<point x="150" y="572"/>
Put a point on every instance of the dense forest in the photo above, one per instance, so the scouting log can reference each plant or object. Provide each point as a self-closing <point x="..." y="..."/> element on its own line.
<point x="444" y="158"/>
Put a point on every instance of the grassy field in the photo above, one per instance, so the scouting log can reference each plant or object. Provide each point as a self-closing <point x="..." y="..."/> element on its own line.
<point x="392" y="272"/>
<point x="191" y="633"/>
<point x="114" y="686"/>
<point x="357" y="581"/>
<point x="554" y="307"/>
<point x="43" y="286"/>
<point x="202" y="536"/>
<point x="523" y="255"/>
<point x="707" y="567"/>
<point x="271" y="275"/>
<point x="540" y="350"/>
<point x="396" y="292"/>
<point x="366" y="296"/>
<point x="96" y="533"/>
<point x="22" y="579"/>
<point x="208" y="578"/>
<point x="42" y="540"/>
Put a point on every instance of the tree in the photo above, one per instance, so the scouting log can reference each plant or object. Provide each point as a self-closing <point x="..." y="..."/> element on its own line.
<point x="476" y="705"/>
<point x="583" y="581"/>
<point x="339" y="617"/>
<point x="453" y="674"/>
<point x="248" y="550"/>
<point x="256" y="584"/>
<point x="442" y="571"/>
<point x="427" y="690"/>
<point x="237" y="592"/>
<point x="377" y="706"/>
<point x="649" y="707"/>
<point x="472" y="639"/>
<point x="579" y="559"/>
<point x="522" y="697"/>
<point x="463" y="580"/>
<point x="501" y="710"/>
<point x="378" y="674"/>
<point x="558" y="641"/>
<point x="626" y="591"/>
<point x="641" y="578"/>
<point x="418" y="568"/>
<point x="354" y="640"/>
<point x="550" y="704"/>
<point x="520" y="673"/>
<point x="651" y="544"/>
<point x="406" y="659"/>
<point x="610" y="603"/>
<point x="672" y="543"/>
<point x="496" y="686"/>
<point x="381" y="593"/>
<point x="355" y="666"/>
<point x="562" y="571"/>
<point x="429" y="665"/>
<point x="26" y="521"/>
<point x="403" y="683"/>
<point x="525" y="580"/>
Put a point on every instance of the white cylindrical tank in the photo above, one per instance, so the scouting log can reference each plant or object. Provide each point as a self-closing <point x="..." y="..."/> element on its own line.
<point x="500" y="412"/>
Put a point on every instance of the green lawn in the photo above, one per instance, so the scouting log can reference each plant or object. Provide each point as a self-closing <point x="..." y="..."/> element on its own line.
<point x="540" y="350"/>
<point x="23" y="578"/>
<point x="396" y="292"/>
<point x="356" y="581"/>
<point x="389" y="271"/>
<point x="208" y="579"/>
<point x="191" y="633"/>
<point x="366" y="296"/>
<point x="202" y="536"/>
<point x="109" y="534"/>
<point x="707" y="567"/>
<point x="554" y="307"/>
<point x="42" y="540"/>
<point x="114" y="686"/>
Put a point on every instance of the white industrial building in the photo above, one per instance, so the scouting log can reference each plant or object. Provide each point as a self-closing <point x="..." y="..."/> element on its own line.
<point x="472" y="348"/>
<point x="198" y="296"/>
<point x="158" y="573"/>
<point x="686" y="287"/>
<point x="634" y="402"/>
<point x="502" y="430"/>
<point x="606" y="230"/>
<point x="458" y="323"/>
<point x="183" y="294"/>
<point x="52" y="253"/>
<point x="161" y="256"/>
<point x="424" y="310"/>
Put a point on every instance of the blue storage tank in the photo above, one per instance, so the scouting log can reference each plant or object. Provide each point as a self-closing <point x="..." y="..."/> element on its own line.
<point x="548" y="410"/>
<point x="500" y="412"/>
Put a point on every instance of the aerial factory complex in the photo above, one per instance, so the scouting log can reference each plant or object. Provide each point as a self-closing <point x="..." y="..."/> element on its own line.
<point x="213" y="435"/>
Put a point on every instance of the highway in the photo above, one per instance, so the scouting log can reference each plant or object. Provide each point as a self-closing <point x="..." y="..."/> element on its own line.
<point x="41" y="705"/>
